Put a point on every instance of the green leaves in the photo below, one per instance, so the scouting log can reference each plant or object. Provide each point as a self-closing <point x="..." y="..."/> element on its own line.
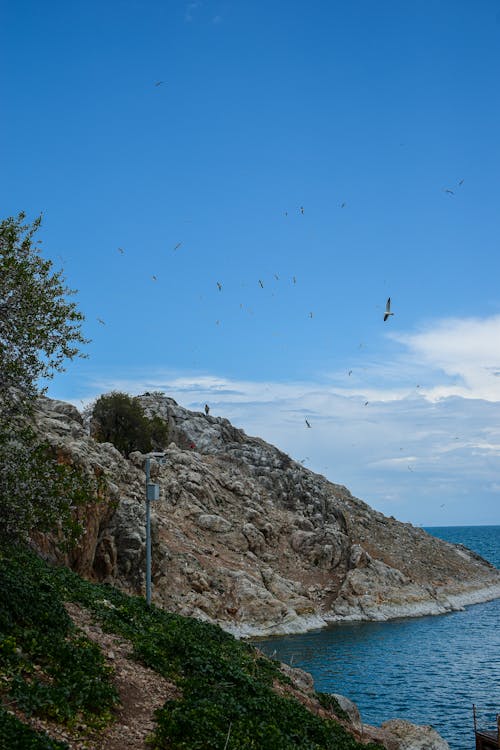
<point x="39" y="327"/>
<point x="119" y="419"/>
<point x="47" y="668"/>
<point x="39" y="330"/>
<point x="226" y="687"/>
<point x="40" y="490"/>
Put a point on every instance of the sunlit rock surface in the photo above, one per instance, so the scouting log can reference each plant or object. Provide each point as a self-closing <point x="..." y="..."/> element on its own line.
<point x="246" y="537"/>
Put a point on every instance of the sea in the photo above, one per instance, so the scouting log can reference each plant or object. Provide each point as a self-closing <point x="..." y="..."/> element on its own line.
<point x="428" y="670"/>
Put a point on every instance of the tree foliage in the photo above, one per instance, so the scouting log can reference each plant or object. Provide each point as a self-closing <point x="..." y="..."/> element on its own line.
<point x="120" y="419"/>
<point x="39" y="330"/>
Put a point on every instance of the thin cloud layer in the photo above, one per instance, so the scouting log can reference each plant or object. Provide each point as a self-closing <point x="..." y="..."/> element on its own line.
<point x="412" y="446"/>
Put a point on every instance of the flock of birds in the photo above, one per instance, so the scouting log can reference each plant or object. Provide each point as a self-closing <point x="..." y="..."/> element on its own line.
<point x="387" y="312"/>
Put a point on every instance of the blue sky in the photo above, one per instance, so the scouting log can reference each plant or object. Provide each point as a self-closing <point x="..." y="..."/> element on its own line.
<point x="364" y="114"/>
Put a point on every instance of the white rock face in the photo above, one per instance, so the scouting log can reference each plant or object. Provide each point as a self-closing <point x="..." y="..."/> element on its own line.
<point x="246" y="537"/>
<point x="414" y="737"/>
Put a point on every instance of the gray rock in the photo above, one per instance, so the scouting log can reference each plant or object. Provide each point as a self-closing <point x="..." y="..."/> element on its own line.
<point x="414" y="737"/>
<point x="351" y="710"/>
<point x="213" y="523"/>
<point x="247" y="537"/>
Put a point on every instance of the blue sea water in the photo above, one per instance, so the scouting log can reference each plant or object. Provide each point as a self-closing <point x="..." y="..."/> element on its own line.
<point x="428" y="670"/>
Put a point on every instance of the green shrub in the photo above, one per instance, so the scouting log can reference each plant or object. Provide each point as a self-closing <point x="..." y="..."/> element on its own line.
<point x="47" y="668"/>
<point x="14" y="735"/>
<point x="119" y="419"/>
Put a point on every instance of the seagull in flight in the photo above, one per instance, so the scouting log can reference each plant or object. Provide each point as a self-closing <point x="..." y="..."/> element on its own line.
<point x="261" y="284"/>
<point x="460" y="183"/>
<point x="101" y="321"/>
<point x="178" y="246"/>
<point x="159" y="83"/>
<point x="343" y="205"/>
<point x="307" y="424"/>
<point x="302" y="210"/>
<point x="121" y="250"/>
<point x="154" y="278"/>
<point x="450" y="192"/>
<point x="388" y="309"/>
<point x="219" y="286"/>
<point x="294" y="279"/>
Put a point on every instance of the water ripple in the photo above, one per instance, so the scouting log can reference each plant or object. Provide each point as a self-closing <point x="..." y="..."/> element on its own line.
<point x="428" y="670"/>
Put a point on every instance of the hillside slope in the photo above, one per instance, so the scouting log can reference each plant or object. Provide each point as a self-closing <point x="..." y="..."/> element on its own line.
<point x="248" y="538"/>
<point x="84" y="665"/>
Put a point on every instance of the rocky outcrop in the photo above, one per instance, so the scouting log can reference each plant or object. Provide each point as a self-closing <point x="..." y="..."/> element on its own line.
<point x="403" y="735"/>
<point x="246" y="537"/>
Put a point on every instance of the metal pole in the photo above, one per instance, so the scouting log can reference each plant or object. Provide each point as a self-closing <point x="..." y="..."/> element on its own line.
<point x="148" y="538"/>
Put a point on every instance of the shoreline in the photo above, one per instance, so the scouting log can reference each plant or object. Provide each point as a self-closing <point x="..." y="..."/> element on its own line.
<point x="443" y="603"/>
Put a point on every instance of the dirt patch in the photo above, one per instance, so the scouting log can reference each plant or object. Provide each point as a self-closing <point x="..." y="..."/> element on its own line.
<point x="141" y="692"/>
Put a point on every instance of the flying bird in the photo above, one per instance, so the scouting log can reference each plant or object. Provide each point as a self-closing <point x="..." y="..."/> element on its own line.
<point x="101" y="321"/>
<point x="286" y="213"/>
<point x="450" y="192"/>
<point x="121" y="250"/>
<point x="343" y="205"/>
<point x="178" y="246"/>
<point x="388" y="309"/>
<point x="219" y="286"/>
<point x="366" y="403"/>
<point x="294" y="279"/>
<point x="207" y="409"/>
<point x="350" y="372"/>
<point x="302" y="210"/>
<point x="460" y="183"/>
<point x="307" y="423"/>
<point x="261" y="284"/>
<point x="276" y="277"/>
<point x="154" y="278"/>
<point x="159" y="83"/>
<point x="310" y="314"/>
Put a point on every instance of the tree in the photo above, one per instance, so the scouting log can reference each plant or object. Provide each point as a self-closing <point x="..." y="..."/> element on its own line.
<point x="39" y="327"/>
<point x="39" y="330"/>
<point x="119" y="419"/>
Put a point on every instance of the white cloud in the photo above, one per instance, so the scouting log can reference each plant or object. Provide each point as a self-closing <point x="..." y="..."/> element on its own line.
<point x="464" y="349"/>
<point x="425" y="448"/>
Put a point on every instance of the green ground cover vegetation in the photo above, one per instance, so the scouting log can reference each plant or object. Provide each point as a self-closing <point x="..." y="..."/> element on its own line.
<point x="49" y="669"/>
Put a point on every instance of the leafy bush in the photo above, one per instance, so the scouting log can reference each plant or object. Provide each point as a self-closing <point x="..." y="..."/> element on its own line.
<point x="38" y="492"/>
<point x="119" y="419"/>
<point x="14" y="735"/>
<point x="47" y="668"/>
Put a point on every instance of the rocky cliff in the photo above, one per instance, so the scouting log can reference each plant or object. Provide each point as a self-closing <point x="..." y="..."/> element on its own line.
<point x="250" y="539"/>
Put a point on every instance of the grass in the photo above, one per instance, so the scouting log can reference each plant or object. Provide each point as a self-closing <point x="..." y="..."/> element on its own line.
<point x="227" y="699"/>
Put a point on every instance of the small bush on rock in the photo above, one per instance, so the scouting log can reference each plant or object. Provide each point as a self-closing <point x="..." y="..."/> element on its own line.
<point x="119" y="419"/>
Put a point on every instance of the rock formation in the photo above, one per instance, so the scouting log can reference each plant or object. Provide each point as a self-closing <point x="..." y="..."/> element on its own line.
<point x="246" y="537"/>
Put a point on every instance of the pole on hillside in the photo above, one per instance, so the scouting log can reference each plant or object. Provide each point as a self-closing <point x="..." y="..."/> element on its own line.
<point x="152" y="493"/>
